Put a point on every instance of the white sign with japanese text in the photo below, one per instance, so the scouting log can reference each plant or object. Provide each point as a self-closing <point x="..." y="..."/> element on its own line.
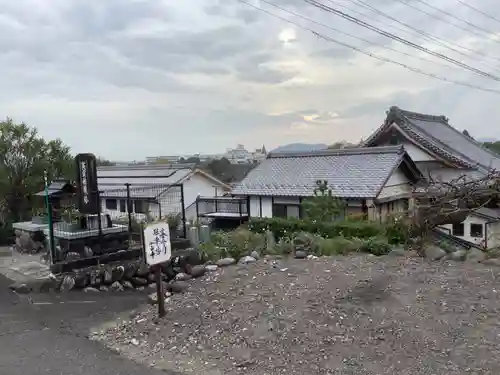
<point x="157" y="242"/>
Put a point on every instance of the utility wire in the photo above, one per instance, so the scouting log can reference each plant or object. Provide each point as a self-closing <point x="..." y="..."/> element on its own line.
<point x="428" y="36"/>
<point x="380" y="58"/>
<point x="399" y="39"/>
<point x="354" y="36"/>
<point x="446" y="13"/>
<point x="441" y="19"/>
<point x="478" y="11"/>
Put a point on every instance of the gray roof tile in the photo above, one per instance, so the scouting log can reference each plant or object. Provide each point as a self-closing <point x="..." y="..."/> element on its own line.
<point x="435" y="133"/>
<point x="351" y="173"/>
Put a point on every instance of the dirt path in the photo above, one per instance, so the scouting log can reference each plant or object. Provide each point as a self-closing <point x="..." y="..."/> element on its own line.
<point x="345" y="315"/>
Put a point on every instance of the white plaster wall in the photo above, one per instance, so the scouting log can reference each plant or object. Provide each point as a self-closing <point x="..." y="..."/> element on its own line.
<point x="397" y="184"/>
<point x="477" y="240"/>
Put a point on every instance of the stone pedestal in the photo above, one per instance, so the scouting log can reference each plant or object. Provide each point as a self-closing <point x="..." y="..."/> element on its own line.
<point x="72" y="244"/>
<point x="30" y="237"/>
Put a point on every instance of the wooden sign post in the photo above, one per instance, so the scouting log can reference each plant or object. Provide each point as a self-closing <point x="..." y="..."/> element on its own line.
<point x="158" y="250"/>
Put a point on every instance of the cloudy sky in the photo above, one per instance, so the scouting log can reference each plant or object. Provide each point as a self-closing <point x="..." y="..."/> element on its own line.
<point x="127" y="79"/>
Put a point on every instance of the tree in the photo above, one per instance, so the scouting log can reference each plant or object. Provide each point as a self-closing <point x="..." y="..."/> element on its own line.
<point x="24" y="158"/>
<point x="323" y="206"/>
<point x="493" y="146"/>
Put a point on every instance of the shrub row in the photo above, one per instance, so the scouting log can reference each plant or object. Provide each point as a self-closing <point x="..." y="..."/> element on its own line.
<point x="395" y="232"/>
<point x="241" y="242"/>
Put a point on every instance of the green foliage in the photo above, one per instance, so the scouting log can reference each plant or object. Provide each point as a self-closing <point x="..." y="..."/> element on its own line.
<point x="24" y="156"/>
<point x="288" y="227"/>
<point x="493" y="146"/>
<point x="235" y="244"/>
<point x="323" y="206"/>
<point x="376" y="245"/>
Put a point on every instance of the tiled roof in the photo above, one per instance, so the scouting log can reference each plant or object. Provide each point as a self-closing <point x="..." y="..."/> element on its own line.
<point x="435" y="134"/>
<point x="351" y="173"/>
<point x="493" y="213"/>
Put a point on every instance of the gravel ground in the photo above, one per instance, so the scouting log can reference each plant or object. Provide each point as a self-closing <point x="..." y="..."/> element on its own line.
<point x="343" y="315"/>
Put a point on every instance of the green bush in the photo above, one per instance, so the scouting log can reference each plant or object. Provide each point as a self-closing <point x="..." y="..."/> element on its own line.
<point x="376" y="246"/>
<point x="336" y="246"/>
<point x="288" y="227"/>
<point x="235" y="244"/>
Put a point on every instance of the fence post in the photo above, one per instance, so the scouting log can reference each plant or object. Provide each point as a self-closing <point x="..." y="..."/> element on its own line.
<point x="53" y="255"/>
<point x="183" y="212"/>
<point x="129" y="211"/>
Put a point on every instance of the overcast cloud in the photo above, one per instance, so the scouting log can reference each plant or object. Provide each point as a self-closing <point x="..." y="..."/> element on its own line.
<point x="136" y="78"/>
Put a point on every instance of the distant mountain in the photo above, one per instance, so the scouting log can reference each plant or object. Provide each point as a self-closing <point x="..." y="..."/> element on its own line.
<point x="300" y="147"/>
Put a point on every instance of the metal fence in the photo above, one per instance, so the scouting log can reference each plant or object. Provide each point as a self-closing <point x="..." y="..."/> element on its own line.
<point x="123" y="210"/>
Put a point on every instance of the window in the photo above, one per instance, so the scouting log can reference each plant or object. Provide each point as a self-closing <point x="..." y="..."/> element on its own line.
<point x="140" y="207"/>
<point x="476" y="230"/>
<point x="458" y="229"/>
<point x="279" y="210"/>
<point x="286" y="211"/>
<point x="123" y="205"/>
<point x="111" y="204"/>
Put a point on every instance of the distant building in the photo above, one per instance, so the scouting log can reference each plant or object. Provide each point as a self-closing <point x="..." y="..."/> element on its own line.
<point x="240" y="155"/>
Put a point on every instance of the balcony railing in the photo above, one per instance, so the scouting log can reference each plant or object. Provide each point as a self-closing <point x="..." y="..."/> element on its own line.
<point x="222" y="207"/>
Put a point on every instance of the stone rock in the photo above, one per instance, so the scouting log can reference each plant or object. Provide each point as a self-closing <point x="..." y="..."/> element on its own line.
<point x="197" y="271"/>
<point x="103" y="288"/>
<point x="130" y="270"/>
<point x="492" y="262"/>
<point x="151" y="278"/>
<point x="117" y="287"/>
<point x="90" y="289"/>
<point x="177" y="287"/>
<point x="475" y="256"/>
<point x="117" y="273"/>
<point x="255" y="254"/>
<point x="20" y="288"/>
<point x="300" y="254"/>
<point x="87" y="252"/>
<point x="67" y="283"/>
<point x="81" y="279"/>
<point x="312" y="257"/>
<point x="247" y="260"/>
<point x="458" y="255"/>
<point x="224" y="262"/>
<point x="107" y="275"/>
<point x="211" y="267"/>
<point x="183" y="277"/>
<point x="95" y="277"/>
<point x="139" y="281"/>
<point x="18" y="232"/>
<point x="433" y="252"/>
<point x="127" y="285"/>
<point x="72" y="256"/>
<point x="152" y="299"/>
<point x="142" y="270"/>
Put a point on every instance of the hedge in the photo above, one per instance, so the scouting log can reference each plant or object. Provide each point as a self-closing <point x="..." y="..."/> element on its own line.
<point x="282" y="228"/>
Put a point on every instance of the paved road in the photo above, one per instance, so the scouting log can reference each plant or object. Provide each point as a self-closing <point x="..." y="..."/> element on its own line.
<point x="47" y="334"/>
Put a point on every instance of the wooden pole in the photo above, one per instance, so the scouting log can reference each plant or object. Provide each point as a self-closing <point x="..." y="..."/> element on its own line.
<point x="159" y="292"/>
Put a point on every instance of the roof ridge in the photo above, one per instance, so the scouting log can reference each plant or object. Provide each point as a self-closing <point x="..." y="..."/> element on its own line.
<point x="146" y="166"/>
<point x="417" y="115"/>
<point x="462" y="135"/>
<point x="339" y="152"/>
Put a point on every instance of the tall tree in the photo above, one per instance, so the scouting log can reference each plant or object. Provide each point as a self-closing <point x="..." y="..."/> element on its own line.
<point x="24" y="157"/>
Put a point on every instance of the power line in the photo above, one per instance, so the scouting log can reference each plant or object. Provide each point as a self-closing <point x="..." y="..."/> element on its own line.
<point x="478" y="11"/>
<point x="453" y="16"/>
<point x="399" y="39"/>
<point x="428" y="36"/>
<point x="380" y="58"/>
<point x="353" y="36"/>
<point x="440" y="18"/>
